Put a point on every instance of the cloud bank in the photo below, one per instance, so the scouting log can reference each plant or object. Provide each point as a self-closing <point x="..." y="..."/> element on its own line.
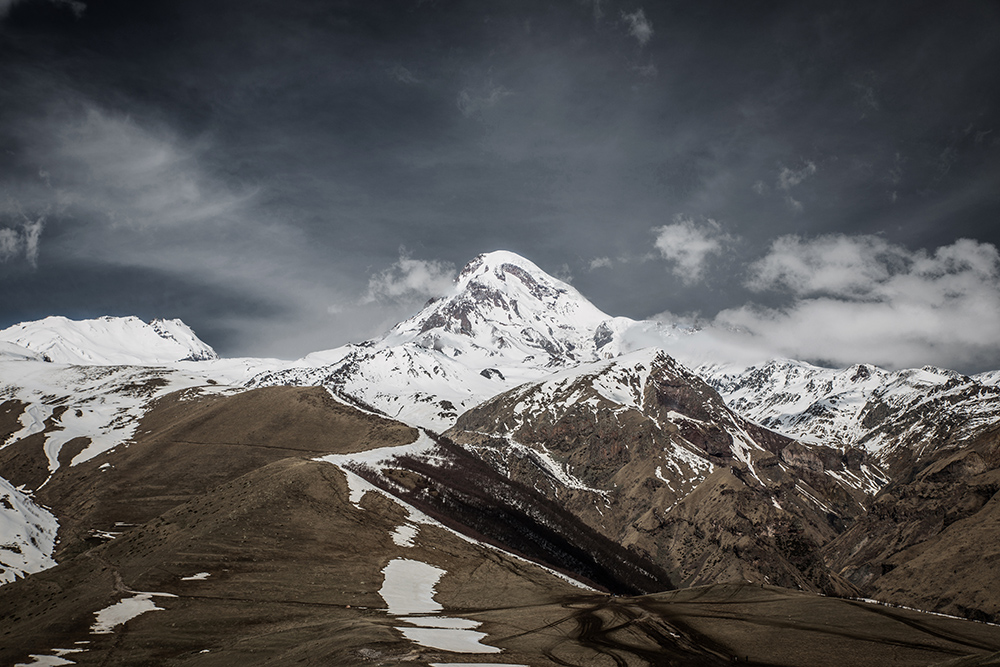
<point x="861" y="299"/>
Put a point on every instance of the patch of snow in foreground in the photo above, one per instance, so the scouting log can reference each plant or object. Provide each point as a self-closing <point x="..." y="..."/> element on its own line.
<point x="51" y="660"/>
<point x="445" y="639"/>
<point x="476" y="664"/>
<point x="123" y="611"/>
<point x="404" y="534"/>
<point x="409" y="589"/>
<point x="201" y="576"/>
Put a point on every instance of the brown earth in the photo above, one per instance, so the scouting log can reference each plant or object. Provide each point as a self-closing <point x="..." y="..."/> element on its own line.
<point x="199" y="443"/>
<point x="226" y="485"/>
<point x="294" y="574"/>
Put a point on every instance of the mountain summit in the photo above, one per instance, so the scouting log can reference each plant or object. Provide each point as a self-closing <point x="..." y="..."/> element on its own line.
<point x="504" y="305"/>
<point x="505" y="323"/>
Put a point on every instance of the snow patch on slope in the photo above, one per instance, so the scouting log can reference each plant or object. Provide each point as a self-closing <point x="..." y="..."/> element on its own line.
<point x="27" y="534"/>
<point x="100" y="403"/>
<point x="123" y="611"/>
<point x="408" y="589"/>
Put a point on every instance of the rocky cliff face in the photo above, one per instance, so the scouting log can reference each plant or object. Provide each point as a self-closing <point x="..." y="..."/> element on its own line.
<point x="650" y="455"/>
<point x="931" y="539"/>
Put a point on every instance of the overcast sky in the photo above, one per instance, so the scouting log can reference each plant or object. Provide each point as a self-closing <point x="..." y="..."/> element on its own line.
<point x="288" y="176"/>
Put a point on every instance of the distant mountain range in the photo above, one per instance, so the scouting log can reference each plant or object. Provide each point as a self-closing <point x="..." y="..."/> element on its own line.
<point x="106" y="341"/>
<point x="511" y="438"/>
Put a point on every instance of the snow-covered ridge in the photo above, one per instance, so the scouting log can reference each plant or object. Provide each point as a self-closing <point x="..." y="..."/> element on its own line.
<point x="12" y="352"/>
<point x="100" y="403"/>
<point x="860" y="406"/>
<point x="108" y="341"/>
<point x="505" y="323"/>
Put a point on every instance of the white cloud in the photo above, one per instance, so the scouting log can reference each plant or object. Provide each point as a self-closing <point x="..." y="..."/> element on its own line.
<point x="21" y="237"/>
<point x="32" y="233"/>
<point x="564" y="274"/>
<point x="10" y="243"/>
<point x="472" y="101"/>
<point x="860" y="298"/>
<point x="410" y="279"/>
<point x="789" y="178"/>
<point x="132" y="194"/>
<point x="638" y="25"/>
<point x="688" y="245"/>
<point x="133" y="175"/>
<point x="600" y="263"/>
<point x="836" y="265"/>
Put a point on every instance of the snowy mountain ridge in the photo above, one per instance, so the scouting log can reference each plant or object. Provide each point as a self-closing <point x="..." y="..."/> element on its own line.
<point x="861" y="406"/>
<point x="109" y="341"/>
<point x="507" y="322"/>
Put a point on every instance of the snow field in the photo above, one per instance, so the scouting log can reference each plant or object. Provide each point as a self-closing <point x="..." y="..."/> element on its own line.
<point x="408" y="590"/>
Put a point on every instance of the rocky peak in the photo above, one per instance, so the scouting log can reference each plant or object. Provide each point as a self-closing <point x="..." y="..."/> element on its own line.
<point x="504" y="305"/>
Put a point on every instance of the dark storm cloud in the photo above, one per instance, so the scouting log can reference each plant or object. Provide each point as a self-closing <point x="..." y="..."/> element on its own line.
<point x="286" y="151"/>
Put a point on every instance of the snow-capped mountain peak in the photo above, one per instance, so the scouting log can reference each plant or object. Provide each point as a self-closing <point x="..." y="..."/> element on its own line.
<point x="505" y="323"/>
<point x="109" y="341"/>
<point x="503" y="305"/>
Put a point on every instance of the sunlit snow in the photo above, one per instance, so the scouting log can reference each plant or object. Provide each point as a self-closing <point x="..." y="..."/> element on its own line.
<point x="107" y="619"/>
<point x="408" y="590"/>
